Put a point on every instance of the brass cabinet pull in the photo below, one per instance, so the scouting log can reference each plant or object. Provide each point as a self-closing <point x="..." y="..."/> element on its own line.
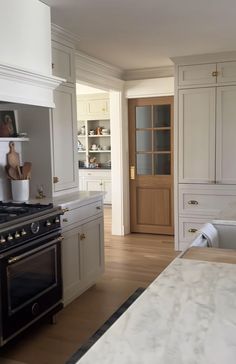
<point x="55" y="179"/>
<point x="193" y="202"/>
<point x="82" y="236"/>
<point x="191" y="230"/>
<point x="214" y="74"/>
<point x="132" y="172"/>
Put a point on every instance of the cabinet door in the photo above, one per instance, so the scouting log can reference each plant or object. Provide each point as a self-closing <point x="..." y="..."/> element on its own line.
<point x="226" y="135"/>
<point x="92" y="184"/>
<point x="197" y="135"/>
<point x="107" y="189"/>
<point x="63" y="62"/>
<point x="197" y="74"/>
<point x="64" y="134"/>
<point x="71" y="264"/>
<point x="92" y="248"/>
<point x="226" y="72"/>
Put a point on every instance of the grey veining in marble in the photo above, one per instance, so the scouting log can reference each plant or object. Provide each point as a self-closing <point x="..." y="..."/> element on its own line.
<point x="186" y="316"/>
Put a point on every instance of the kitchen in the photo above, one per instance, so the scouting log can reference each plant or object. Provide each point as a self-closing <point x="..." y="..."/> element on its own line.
<point x="47" y="178"/>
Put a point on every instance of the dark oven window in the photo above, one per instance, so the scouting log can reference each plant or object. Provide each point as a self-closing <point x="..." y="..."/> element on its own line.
<point x="30" y="277"/>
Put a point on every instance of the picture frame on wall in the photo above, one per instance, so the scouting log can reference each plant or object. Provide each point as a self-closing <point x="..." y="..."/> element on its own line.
<point x="7" y="124"/>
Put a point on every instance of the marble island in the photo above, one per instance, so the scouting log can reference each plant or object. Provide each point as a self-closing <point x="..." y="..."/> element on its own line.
<point x="186" y="316"/>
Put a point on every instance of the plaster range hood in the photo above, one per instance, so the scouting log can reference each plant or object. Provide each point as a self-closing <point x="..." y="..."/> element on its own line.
<point x="18" y="85"/>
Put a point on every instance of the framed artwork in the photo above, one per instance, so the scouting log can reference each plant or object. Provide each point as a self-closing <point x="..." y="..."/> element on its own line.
<point x="7" y="124"/>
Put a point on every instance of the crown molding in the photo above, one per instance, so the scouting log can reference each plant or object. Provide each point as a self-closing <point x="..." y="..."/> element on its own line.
<point x="205" y="58"/>
<point x="147" y="73"/>
<point x="95" y="71"/>
<point x="60" y="34"/>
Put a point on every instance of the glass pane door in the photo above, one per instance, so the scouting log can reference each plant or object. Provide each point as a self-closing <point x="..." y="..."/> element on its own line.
<point x="153" y="140"/>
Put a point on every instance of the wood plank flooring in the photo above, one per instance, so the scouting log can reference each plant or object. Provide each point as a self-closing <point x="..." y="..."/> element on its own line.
<point x="132" y="261"/>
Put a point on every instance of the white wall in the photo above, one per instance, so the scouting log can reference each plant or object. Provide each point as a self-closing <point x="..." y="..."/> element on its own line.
<point x="25" y="35"/>
<point x="150" y="87"/>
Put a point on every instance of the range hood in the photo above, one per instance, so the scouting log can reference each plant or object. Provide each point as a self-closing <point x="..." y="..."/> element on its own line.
<point x="22" y="86"/>
<point x="25" y="58"/>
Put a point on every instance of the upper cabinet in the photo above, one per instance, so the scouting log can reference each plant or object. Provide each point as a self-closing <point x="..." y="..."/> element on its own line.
<point x="92" y="107"/>
<point x="207" y="74"/>
<point x="63" y="62"/>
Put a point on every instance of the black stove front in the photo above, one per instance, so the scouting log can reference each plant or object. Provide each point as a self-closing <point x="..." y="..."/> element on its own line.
<point x="30" y="266"/>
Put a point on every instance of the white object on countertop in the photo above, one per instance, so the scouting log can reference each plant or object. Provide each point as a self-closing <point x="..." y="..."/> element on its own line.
<point x="20" y="190"/>
<point x="200" y="241"/>
<point x="209" y="232"/>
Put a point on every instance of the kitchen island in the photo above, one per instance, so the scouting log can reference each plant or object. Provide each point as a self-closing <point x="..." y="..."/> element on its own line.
<point x="186" y="316"/>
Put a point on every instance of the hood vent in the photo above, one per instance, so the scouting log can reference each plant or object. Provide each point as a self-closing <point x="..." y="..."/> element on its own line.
<point x="22" y="86"/>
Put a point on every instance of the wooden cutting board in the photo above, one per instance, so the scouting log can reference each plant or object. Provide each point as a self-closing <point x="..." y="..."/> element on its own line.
<point x="13" y="158"/>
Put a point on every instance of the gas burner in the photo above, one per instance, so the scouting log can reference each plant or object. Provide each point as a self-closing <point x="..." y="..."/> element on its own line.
<point x="10" y="210"/>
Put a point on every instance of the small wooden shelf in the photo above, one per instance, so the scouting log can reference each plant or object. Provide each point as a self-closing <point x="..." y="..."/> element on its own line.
<point x="15" y="139"/>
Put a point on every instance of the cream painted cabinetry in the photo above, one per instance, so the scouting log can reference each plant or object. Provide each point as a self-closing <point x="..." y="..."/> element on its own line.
<point x="82" y="248"/>
<point x="64" y="121"/>
<point x="206" y="122"/>
<point x="63" y="62"/>
<point x="96" y="180"/>
<point x="93" y="106"/>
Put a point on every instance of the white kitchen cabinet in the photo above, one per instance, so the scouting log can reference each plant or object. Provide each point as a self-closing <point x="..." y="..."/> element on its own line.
<point x="93" y="106"/>
<point x="96" y="180"/>
<point x="63" y="62"/>
<point x="82" y="248"/>
<point x="197" y="135"/>
<point x="64" y="140"/>
<point x="206" y="74"/>
<point x="205" y="144"/>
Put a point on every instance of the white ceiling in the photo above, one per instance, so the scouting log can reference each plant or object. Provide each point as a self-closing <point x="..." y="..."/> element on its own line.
<point x="134" y="34"/>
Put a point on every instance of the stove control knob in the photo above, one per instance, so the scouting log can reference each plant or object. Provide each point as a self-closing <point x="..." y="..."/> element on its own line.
<point x="48" y="223"/>
<point x="23" y="232"/>
<point x="17" y="235"/>
<point x="2" y="239"/>
<point x="57" y="220"/>
<point x="10" y="237"/>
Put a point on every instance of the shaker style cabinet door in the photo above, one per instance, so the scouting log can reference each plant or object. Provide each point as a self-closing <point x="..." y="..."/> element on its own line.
<point x="63" y="62"/>
<point x="197" y="74"/>
<point x="226" y="135"/>
<point x="197" y="135"/>
<point x="65" y="169"/>
<point x="226" y="72"/>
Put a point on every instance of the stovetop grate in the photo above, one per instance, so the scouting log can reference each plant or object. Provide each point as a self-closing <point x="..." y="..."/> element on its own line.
<point x="10" y="210"/>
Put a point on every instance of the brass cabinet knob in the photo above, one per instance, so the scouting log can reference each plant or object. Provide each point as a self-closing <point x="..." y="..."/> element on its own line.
<point x="191" y="230"/>
<point x="193" y="202"/>
<point x="82" y="236"/>
<point x="55" y="179"/>
<point x="214" y="74"/>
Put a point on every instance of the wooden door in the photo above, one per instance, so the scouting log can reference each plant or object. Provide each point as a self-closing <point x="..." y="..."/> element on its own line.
<point x="151" y="165"/>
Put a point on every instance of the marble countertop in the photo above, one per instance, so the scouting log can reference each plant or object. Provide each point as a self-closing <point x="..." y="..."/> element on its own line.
<point x="71" y="200"/>
<point x="186" y="316"/>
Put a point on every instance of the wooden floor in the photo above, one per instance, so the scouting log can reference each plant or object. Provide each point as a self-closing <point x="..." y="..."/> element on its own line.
<point x="132" y="261"/>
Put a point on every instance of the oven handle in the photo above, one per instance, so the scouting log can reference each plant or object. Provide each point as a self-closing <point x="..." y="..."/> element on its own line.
<point x="19" y="257"/>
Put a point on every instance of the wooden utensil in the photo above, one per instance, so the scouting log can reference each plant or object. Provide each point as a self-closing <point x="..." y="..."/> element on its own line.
<point x="12" y="172"/>
<point x="13" y="159"/>
<point x="26" y="170"/>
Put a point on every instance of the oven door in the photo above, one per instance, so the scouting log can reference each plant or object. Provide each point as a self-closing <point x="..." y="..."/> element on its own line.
<point x="31" y="283"/>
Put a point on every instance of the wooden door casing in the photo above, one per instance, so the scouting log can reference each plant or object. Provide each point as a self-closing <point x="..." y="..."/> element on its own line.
<point x="151" y="196"/>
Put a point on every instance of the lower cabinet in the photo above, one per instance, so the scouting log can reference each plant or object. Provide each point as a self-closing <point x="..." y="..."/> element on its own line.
<point x="96" y="181"/>
<point x="82" y="258"/>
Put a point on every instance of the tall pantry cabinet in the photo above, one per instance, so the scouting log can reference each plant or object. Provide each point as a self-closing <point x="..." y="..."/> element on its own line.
<point x="63" y="119"/>
<point x="205" y="130"/>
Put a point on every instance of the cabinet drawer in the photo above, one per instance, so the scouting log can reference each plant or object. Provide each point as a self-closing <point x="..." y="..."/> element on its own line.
<point x="209" y="202"/>
<point x="78" y="215"/>
<point x="188" y="228"/>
